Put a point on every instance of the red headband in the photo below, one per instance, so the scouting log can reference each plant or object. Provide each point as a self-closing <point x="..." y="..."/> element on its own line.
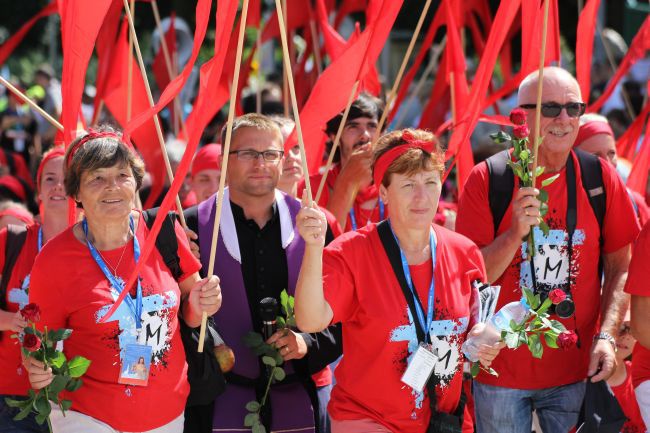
<point x="384" y="161"/>
<point x="206" y="158"/>
<point x="56" y="152"/>
<point x="92" y="134"/>
<point x="591" y="129"/>
<point x="19" y="213"/>
<point x="14" y="185"/>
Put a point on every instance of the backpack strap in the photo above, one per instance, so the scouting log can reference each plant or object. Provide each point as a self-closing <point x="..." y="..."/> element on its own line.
<point x="166" y="241"/>
<point x="16" y="236"/>
<point x="592" y="182"/>
<point x="501" y="183"/>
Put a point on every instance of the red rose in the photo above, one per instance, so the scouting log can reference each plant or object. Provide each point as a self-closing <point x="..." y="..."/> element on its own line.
<point x="518" y="116"/>
<point x="31" y="342"/>
<point x="521" y="131"/>
<point x="556" y="296"/>
<point x="567" y="339"/>
<point x="31" y="312"/>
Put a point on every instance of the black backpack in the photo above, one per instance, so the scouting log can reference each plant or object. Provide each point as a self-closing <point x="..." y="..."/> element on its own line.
<point x="502" y="183"/>
<point x="16" y="236"/>
<point x="203" y="372"/>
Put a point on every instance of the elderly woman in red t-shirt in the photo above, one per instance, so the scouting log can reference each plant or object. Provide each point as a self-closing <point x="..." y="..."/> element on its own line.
<point x="16" y="283"/>
<point x="79" y="275"/>
<point x="403" y="290"/>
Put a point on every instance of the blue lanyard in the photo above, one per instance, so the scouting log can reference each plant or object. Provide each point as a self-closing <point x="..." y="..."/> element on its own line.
<point x="353" y="219"/>
<point x="426" y="326"/>
<point x="40" y="238"/>
<point x="116" y="282"/>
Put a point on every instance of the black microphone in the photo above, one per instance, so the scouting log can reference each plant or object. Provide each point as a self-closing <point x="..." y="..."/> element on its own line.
<point x="268" y="314"/>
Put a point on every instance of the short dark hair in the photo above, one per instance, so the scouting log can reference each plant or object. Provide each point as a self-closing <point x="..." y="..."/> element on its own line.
<point x="365" y="105"/>
<point x="101" y="152"/>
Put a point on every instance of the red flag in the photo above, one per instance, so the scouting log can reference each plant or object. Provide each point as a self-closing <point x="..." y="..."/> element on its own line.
<point x="502" y="22"/>
<point x="298" y="15"/>
<point x="585" y="46"/>
<point x="80" y="24"/>
<point x="640" y="44"/>
<point x="638" y="179"/>
<point x="10" y="44"/>
<point x="347" y="7"/>
<point x="159" y="65"/>
<point x="332" y="90"/>
<point x="144" y="137"/>
<point x="627" y="143"/>
<point x="226" y="11"/>
<point x="434" y="112"/>
<point x="105" y="47"/>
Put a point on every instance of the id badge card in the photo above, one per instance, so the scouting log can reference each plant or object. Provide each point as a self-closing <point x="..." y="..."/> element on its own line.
<point x="420" y="368"/>
<point x="135" y="365"/>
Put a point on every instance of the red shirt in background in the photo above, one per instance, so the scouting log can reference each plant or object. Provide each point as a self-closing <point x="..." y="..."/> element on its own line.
<point x="517" y="368"/>
<point x="72" y="292"/>
<point x="625" y="395"/>
<point x="637" y="284"/>
<point x="13" y="380"/>
<point x="378" y="331"/>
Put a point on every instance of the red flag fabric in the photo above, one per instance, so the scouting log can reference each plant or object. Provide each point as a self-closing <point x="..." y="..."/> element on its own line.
<point x="106" y="42"/>
<point x="80" y="24"/>
<point x="332" y="90"/>
<point x="640" y="44"/>
<point x="437" y="107"/>
<point x="226" y="10"/>
<point x="10" y="44"/>
<point x="144" y="137"/>
<point x="346" y="8"/>
<point x="638" y="179"/>
<point x="298" y="15"/>
<point x="455" y="64"/>
<point x="585" y="46"/>
<point x="503" y="20"/>
<point x="159" y="65"/>
<point x="627" y="143"/>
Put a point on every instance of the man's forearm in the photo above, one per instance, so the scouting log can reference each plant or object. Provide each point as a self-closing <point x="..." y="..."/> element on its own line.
<point x="498" y="255"/>
<point x="614" y="301"/>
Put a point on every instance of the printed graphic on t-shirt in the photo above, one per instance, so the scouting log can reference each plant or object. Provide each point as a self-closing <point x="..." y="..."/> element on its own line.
<point x="20" y="295"/>
<point x="551" y="260"/>
<point x="445" y="335"/>
<point x="156" y="323"/>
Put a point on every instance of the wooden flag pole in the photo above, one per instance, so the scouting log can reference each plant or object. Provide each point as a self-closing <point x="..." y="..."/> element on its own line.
<point x="225" y="153"/>
<point x="337" y="139"/>
<point x="435" y="55"/>
<point x="31" y="103"/>
<point x="129" y="62"/>
<point x="96" y="114"/>
<point x="452" y="95"/>
<point x="156" y="121"/>
<point x="258" y="54"/>
<point x="540" y="85"/>
<point x="402" y="68"/>
<point x="314" y="38"/>
<point x="294" y="102"/>
<point x="285" y="78"/>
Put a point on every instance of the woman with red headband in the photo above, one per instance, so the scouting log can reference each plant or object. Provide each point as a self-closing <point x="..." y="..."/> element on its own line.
<point x="403" y="289"/>
<point x="77" y="280"/>
<point x="14" y="289"/>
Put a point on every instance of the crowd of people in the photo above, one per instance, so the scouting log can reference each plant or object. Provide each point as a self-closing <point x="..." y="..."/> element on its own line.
<point x="386" y="268"/>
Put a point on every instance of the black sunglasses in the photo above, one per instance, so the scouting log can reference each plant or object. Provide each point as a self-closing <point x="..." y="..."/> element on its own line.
<point x="553" y="109"/>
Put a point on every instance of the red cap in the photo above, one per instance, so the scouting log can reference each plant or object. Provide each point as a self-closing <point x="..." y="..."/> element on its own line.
<point x="206" y="158"/>
<point x="590" y="129"/>
<point x="14" y="185"/>
<point x="55" y="152"/>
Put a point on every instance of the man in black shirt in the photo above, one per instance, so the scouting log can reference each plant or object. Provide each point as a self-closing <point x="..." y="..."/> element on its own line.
<point x="258" y="256"/>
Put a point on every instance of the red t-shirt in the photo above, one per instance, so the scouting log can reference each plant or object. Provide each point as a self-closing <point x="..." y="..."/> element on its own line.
<point x="378" y="331"/>
<point x="641" y="206"/>
<point x="517" y="368"/>
<point x="72" y="292"/>
<point x="637" y="284"/>
<point x="14" y="379"/>
<point x="627" y="399"/>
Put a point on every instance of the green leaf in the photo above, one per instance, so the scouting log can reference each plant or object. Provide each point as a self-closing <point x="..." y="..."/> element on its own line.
<point x="492" y="371"/>
<point x="523" y="338"/>
<point x="267" y="360"/>
<point x="284" y="301"/>
<point x="66" y="404"/>
<point x="543" y="209"/>
<point x="73" y="385"/>
<point x="500" y="137"/>
<point x="512" y="340"/>
<point x="258" y="428"/>
<point x="550" y="180"/>
<point x="24" y="412"/>
<point x="558" y="327"/>
<point x="539" y="171"/>
<point x="78" y="366"/>
<point x="17" y="403"/>
<point x="279" y="374"/>
<point x="58" y="384"/>
<point x="42" y="404"/>
<point x="278" y="359"/>
<point x="281" y="322"/>
<point x="59" y="334"/>
<point x="551" y="340"/>
<point x="57" y="359"/>
<point x="545" y="306"/>
<point x="524" y="155"/>
<point x="40" y="418"/>
<point x="253" y="406"/>
<point x="250" y="419"/>
<point x="537" y="300"/>
<point x="543" y="196"/>
<point x="535" y="346"/>
<point x="475" y="369"/>
<point x="253" y="339"/>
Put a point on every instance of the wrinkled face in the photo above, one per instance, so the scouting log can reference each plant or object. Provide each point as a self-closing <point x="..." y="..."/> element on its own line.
<point x="559" y="132"/>
<point x="412" y="200"/>
<point x="356" y="134"/>
<point x="205" y="183"/>
<point x="291" y="167"/>
<point x="107" y="193"/>
<point x="601" y="145"/>
<point x="624" y="341"/>
<point x="51" y="191"/>
<point x="254" y="177"/>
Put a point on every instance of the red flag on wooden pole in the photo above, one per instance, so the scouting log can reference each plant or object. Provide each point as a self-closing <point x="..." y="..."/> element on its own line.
<point x="10" y="44"/>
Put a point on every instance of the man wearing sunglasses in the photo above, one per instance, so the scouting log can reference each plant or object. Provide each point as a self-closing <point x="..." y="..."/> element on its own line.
<point x="567" y="258"/>
<point x="259" y="254"/>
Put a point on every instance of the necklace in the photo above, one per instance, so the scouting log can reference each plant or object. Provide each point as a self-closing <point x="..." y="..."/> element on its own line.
<point x="113" y="268"/>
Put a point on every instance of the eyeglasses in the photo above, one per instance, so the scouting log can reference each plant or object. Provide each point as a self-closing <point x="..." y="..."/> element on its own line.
<point x="252" y="155"/>
<point x="553" y="109"/>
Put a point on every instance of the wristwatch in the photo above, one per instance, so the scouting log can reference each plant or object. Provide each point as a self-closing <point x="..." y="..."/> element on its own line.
<point x="606" y="336"/>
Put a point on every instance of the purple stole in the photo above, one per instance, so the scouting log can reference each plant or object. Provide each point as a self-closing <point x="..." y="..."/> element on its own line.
<point x="291" y="405"/>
